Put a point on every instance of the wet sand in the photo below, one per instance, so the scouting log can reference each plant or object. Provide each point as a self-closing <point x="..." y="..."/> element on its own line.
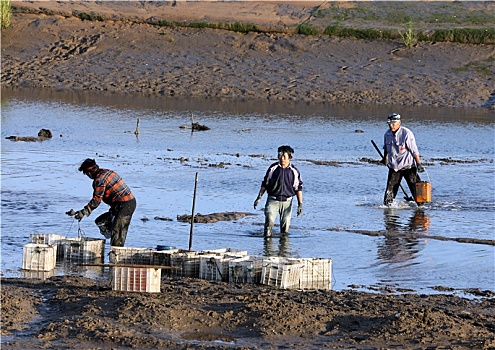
<point x="58" y="51"/>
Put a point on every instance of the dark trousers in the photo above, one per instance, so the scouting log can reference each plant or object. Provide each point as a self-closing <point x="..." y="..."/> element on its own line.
<point x="122" y="213"/>
<point x="393" y="183"/>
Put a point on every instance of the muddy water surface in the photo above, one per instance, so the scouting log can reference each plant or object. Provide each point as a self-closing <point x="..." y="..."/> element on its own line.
<point x="447" y="243"/>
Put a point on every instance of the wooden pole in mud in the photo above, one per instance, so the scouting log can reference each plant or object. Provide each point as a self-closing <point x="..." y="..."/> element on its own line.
<point x="192" y="214"/>
<point x="137" y="127"/>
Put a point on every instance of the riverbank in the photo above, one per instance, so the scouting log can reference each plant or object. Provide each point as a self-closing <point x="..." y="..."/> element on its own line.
<point x="50" y="47"/>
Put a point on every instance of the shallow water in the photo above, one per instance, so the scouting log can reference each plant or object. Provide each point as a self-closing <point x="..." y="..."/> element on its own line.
<point x="372" y="247"/>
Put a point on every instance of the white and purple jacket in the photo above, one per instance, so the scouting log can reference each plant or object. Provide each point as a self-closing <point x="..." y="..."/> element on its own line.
<point x="282" y="184"/>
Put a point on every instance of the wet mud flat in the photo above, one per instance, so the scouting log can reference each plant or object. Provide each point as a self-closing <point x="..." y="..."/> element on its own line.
<point x="71" y="311"/>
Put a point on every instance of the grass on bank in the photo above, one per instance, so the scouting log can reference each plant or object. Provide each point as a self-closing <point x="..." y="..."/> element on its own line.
<point x="5" y="13"/>
<point x="409" y="37"/>
<point x="345" y="18"/>
<point x="235" y="27"/>
<point x="90" y="16"/>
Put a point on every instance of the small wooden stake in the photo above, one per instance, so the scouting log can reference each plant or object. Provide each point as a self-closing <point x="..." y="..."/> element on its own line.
<point x="192" y="214"/>
<point x="137" y="127"/>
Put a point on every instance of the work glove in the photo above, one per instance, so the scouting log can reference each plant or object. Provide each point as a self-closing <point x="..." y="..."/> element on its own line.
<point x="299" y="209"/>
<point x="81" y="213"/>
<point x="256" y="202"/>
<point x="421" y="169"/>
<point x="70" y="212"/>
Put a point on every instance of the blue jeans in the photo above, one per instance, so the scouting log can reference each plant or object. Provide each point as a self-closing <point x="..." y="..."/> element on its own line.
<point x="274" y="208"/>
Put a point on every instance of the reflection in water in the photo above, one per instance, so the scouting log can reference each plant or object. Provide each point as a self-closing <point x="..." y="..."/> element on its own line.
<point x="418" y="222"/>
<point x="398" y="245"/>
<point x="283" y="247"/>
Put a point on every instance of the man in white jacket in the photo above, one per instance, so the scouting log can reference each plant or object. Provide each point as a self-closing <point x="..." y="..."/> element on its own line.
<point x="401" y="156"/>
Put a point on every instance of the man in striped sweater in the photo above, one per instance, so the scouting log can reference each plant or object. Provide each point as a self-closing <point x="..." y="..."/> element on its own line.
<point x="110" y="188"/>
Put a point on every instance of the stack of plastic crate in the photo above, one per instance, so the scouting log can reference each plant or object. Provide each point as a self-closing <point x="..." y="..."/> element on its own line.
<point x="281" y="272"/>
<point x="316" y="274"/>
<point x="246" y="269"/>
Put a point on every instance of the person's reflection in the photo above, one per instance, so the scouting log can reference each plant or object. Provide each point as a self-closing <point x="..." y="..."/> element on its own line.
<point x="283" y="246"/>
<point x="392" y="220"/>
<point x="398" y="244"/>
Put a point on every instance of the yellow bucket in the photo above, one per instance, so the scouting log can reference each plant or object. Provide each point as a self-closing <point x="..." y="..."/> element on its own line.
<point x="423" y="192"/>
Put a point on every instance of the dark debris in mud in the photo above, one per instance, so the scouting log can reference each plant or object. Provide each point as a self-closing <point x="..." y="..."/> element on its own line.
<point x="43" y="134"/>
<point x="447" y="161"/>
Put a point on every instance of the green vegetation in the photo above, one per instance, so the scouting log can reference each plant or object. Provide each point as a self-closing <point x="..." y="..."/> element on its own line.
<point x="409" y="38"/>
<point x="90" y="17"/>
<point x="461" y="35"/>
<point x="307" y="29"/>
<point x="6" y="12"/>
<point x="235" y="27"/>
<point x="464" y="35"/>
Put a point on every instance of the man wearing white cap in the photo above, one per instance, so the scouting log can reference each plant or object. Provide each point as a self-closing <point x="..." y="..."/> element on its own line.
<point x="401" y="156"/>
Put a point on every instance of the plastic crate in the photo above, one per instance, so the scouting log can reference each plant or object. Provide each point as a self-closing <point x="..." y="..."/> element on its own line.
<point x="83" y="249"/>
<point x="186" y="263"/>
<point x="214" y="268"/>
<point x="246" y="269"/>
<point x="316" y="274"/>
<point x="39" y="257"/>
<point x="284" y="273"/>
<point x="49" y="238"/>
<point x="136" y="279"/>
<point x="132" y="256"/>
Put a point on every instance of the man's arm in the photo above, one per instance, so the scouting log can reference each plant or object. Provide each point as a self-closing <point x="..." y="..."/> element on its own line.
<point x="260" y="194"/>
<point x="299" y="202"/>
